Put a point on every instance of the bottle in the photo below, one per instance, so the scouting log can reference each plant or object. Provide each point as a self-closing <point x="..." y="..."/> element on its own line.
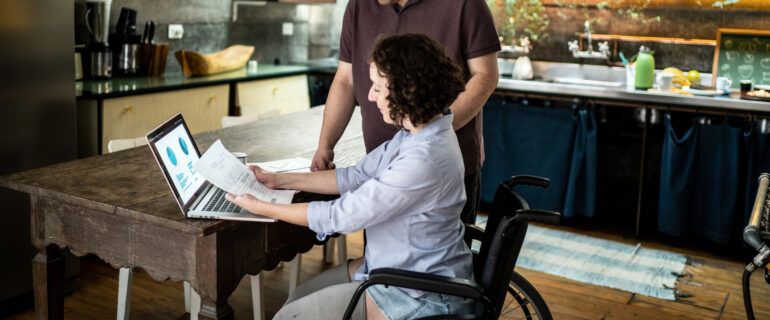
<point x="645" y="69"/>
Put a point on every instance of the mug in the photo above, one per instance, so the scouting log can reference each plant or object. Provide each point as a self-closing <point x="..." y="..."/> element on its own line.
<point x="723" y="83"/>
<point x="240" y="156"/>
<point x="665" y="81"/>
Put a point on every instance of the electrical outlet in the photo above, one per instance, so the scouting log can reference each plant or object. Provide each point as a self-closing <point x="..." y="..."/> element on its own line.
<point x="287" y="29"/>
<point x="175" y="31"/>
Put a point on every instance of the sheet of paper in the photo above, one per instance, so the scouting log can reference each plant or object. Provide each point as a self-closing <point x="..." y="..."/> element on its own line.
<point x="286" y="165"/>
<point x="225" y="171"/>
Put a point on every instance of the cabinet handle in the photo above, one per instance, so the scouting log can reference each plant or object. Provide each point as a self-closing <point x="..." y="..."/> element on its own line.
<point x="213" y="99"/>
<point x="129" y="109"/>
<point x="275" y="90"/>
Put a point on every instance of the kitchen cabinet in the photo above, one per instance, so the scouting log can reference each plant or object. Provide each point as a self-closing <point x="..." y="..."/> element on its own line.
<point x="285" y="94"/>
<point x="134" y="116"/>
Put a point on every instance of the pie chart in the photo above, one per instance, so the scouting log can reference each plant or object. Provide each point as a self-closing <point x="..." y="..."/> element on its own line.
<point x="183" y="145"/>
<point x="171" y="156"/>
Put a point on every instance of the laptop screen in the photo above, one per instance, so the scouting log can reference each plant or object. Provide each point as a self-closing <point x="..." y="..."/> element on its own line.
<point x="176" y="153"/>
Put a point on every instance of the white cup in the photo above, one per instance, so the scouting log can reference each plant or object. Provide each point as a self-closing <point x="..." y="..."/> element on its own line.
<point x="630" y="77"/>
<point x="723" y="83"/>
<point x="241" y="156"/>
<point x="252" y="65"/>
<point x="665" y="81"/>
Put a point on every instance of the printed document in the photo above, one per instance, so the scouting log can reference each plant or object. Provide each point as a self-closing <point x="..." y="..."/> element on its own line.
<point x="286" y="165"/>
<point x="225" y="171"/>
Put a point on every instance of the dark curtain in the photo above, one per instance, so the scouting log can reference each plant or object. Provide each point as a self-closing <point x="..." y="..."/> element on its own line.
<point x="702" y="181"/>
<point x="559" y="144"/>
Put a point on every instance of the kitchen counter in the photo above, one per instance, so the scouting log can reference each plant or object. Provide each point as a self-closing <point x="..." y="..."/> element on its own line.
<point x="725" y="102"/>
<point x="119" y="87"/>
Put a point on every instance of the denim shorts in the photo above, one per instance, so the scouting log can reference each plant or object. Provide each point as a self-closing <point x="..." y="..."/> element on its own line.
<point x="398" y="305"/>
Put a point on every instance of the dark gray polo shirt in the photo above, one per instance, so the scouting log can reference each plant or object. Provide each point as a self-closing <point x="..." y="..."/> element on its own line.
<point x="464" y="27"/>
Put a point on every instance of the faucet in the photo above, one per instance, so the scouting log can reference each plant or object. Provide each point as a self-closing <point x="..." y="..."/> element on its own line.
<point x="604" y="47"/>
<point x="588" y="37"/>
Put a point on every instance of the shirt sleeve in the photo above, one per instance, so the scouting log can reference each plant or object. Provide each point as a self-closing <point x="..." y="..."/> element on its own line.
<point x="346" y="35"/>
<point x="478" y="30"/>
<point x="350" y="178"/>
<point x="408" y="185"/>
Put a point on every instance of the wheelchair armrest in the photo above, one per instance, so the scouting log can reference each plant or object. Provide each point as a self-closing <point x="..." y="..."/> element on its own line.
<point x="526" y="180"/>
<point x="420" y="281"/>
<point x="426" y="282"/>
<point x="538" y="215"/>
<point x="473" y="232"/>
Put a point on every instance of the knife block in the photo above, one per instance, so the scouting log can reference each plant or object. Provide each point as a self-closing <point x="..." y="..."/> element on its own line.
<point x="154" y="58"/>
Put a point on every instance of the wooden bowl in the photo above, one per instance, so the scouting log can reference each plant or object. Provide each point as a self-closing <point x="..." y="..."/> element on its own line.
<point x="198" y="64"/>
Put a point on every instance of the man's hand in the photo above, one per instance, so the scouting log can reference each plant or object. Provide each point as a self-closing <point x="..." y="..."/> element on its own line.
<point x="322" y="160"/>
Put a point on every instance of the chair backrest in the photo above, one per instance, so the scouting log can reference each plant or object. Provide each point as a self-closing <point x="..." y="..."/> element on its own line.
<point x="501" y="244"/>
<point x="116" y="145"/>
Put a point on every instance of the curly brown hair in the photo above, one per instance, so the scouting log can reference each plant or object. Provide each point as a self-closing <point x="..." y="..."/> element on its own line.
<point x="422" y="79"/>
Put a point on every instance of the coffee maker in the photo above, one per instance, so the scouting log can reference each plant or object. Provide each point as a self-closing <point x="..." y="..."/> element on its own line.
<point x="125" y="44"/>
<point x="98" y="52"/>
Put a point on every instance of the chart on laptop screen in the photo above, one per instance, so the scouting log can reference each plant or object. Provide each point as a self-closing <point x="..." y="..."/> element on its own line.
<point x="178" y="156"/>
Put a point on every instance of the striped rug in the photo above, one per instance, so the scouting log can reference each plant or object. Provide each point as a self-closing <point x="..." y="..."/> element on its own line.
<point x="601" y="262"/>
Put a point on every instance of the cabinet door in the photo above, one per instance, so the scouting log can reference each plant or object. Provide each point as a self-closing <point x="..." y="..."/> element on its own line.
<point x="286" y="94"/>
<point x="135" y="116"/>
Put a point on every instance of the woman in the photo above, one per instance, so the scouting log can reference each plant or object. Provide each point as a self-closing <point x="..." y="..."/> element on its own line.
<point x="407" y="193"/>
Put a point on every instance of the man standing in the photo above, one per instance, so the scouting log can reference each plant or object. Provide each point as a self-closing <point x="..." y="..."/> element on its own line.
<point x="464" y="27"/>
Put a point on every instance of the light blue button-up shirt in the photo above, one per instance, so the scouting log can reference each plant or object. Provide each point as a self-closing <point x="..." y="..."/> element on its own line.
<point x="408" y="194"/>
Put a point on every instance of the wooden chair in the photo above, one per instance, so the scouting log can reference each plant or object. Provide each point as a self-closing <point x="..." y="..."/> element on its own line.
<point x="192" y="300"/>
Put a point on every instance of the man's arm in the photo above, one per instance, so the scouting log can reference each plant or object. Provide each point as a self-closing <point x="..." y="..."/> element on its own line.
<point x="483" y="81"/>
<point x="339" y="108"/>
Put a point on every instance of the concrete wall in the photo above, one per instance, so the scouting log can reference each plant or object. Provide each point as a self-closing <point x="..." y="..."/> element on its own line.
<point x="679" y="23"/>
<point x="208" y="27"/>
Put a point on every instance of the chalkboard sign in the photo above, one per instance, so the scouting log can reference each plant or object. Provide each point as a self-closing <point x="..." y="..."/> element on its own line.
<point x="742" y="54"/>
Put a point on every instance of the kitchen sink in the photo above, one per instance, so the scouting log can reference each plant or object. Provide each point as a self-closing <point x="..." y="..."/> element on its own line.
<point x="573" y="73"/>
<point x="586" y="82"/>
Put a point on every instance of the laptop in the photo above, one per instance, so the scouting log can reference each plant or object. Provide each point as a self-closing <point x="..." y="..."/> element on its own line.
<point x="175" y="151"/>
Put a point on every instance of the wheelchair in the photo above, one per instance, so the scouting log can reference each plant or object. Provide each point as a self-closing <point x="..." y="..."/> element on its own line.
<point x="498" y="290"/>
<point x="757" y="235"/>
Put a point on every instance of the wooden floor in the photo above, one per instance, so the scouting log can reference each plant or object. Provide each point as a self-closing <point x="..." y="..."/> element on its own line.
<point x="715" y="287"/>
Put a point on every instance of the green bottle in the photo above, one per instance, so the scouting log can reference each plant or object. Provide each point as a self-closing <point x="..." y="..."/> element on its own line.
<point x="645" y="69"/>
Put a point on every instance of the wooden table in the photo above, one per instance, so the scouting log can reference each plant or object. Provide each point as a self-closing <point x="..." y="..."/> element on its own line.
<point x="119" y="207"/>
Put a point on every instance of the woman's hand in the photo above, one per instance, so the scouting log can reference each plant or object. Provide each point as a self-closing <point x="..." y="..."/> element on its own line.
<point x="269" y="179"/>
<point x="246" y="201"/>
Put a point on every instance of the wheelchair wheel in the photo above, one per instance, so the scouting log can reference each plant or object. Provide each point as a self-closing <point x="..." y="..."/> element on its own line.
<point x="523" y="302"/>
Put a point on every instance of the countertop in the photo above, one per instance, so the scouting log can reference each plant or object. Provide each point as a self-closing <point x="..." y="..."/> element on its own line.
<point x="724" y="102"/>
<point x="118" y="87"/>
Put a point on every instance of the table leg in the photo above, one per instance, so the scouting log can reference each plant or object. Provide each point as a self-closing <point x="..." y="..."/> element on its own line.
<point x="48" y="282"/>
<point x="211" y="309"/>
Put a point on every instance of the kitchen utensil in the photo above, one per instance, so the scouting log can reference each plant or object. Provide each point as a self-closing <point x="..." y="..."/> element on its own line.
<point x="746" y="85"/>
<point x="193" y="63"/>
<point x="100" y="58"/>
<point x="707" y="93"/>
<point x="144" y="33"/>
<point x="630" y="76"/>
<point x="154" y="58"/>
<point x="78" y="66"/>
<point x="151" y="33"/>
<point x="623" y="58"/>
<point x="522" y="70"/>
<point x="723" y="83"/>
<point x="645" y="69"/>
<point x="97" y="19"/>
<point x="665" y="81"/>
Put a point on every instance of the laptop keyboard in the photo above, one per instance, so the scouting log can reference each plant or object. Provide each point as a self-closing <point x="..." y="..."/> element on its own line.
<point x="218" y="203"/>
